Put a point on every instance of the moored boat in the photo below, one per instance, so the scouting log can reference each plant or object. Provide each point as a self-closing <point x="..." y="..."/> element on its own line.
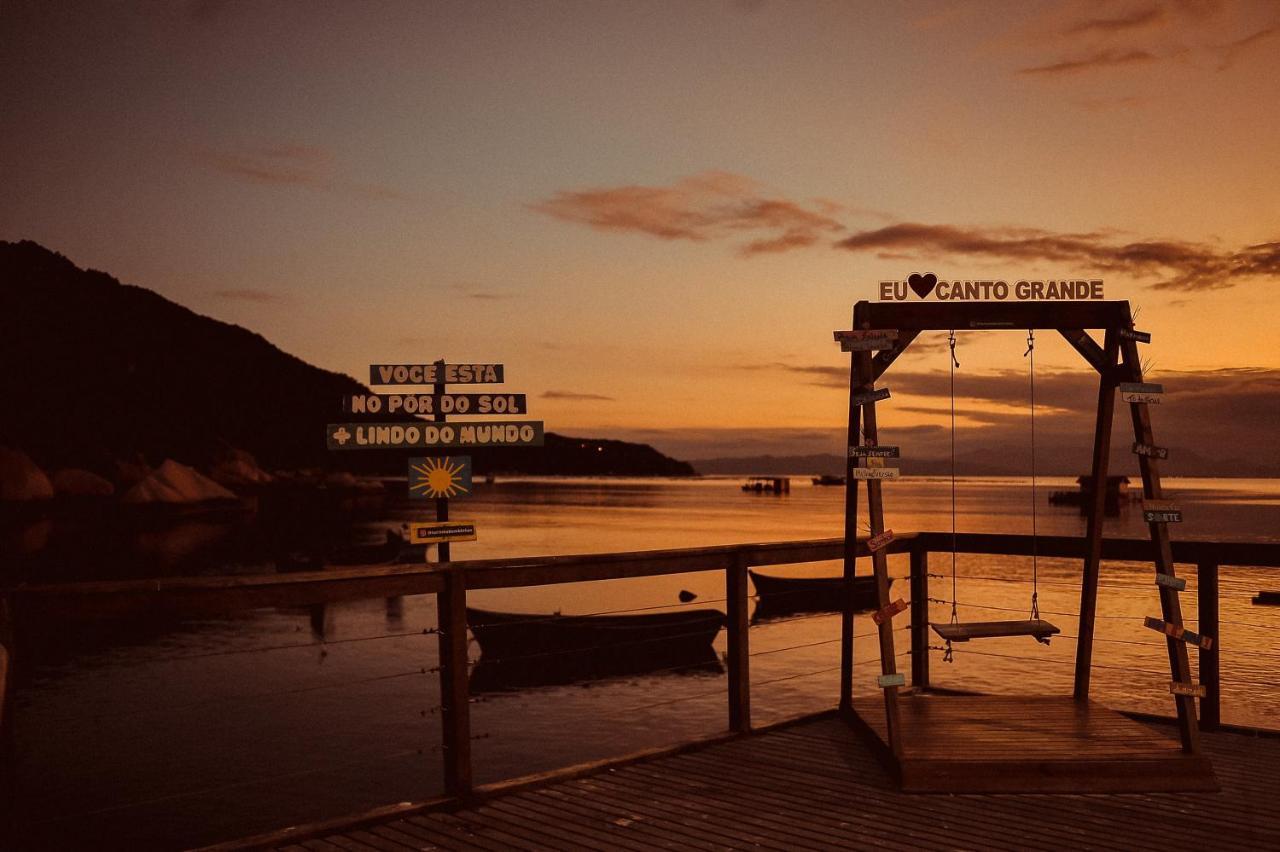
<point x="508" y="635"/>
<point x="828" y="479"/>
<point x="1266" y="598"/>
<point x="810" y="594"/>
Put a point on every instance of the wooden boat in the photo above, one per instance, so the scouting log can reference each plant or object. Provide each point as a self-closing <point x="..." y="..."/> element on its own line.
<point x="828" y="479"/>
<point x="779" y="595"/>
<point x="508" y="635"/>
<point x="1265" y="598"/>
<point x="767" y="485"/>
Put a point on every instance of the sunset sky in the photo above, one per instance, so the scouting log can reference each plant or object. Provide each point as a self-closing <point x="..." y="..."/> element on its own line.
<point x="655" y="214"/>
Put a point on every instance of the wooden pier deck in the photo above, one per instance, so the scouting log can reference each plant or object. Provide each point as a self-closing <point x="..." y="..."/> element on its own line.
<point x="814" y="786"/>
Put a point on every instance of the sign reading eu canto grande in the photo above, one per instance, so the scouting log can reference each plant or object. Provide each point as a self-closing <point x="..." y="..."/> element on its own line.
<point x="423" y="435"/>
<point x="433" y="374"/>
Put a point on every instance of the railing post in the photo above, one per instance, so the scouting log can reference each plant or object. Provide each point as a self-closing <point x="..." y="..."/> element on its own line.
<point x="455" y="706"/>
<point x="7" y="631"/>
<point x="919" y="616"/>
<point x="739" y="656"/>
<point x="1210" y="671"/>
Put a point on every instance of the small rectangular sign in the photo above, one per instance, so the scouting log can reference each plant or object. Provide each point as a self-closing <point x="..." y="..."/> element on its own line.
<point x="886" y="614"/>
<point x="866" y="334"/>
<point x="870" y="340"/>
<point x="434" y="532"/>
<point x="1150" y="451"/>
<point x="1169" y="581"/>
<point x="1177" y="632"/>
<point x="439" y="476"/>
<point x="878" y="542"/>
<point x="1134" y="334"/>
<point x="875" y="473"/>
<point x="861" y="452"/>
<point x="1161" y="512"/>
<point x="870" y="396"/>
<point x="895" y="679"/>
<point x="422" y="435"/>
<point x="1141" y="392"/>
<point x="430" y="374"/>
<point x="1195" y="690"/>
<point x="431" y="404"/>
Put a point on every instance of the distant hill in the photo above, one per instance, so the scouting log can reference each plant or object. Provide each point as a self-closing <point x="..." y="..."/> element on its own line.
<point x="95" y="371"/>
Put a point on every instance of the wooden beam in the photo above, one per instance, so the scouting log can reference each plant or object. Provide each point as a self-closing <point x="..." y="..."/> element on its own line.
<point x="920" y="618"/>
<point x="1097" y="511"/>
<point x="7" y="632"/>
<point x="739" y="647"/>
<point x="886" y="357"/>
<point x="1208" y="623"/>
<point x="853" y="438"/>
<point x="942" y="316"/>
<point x="1085" y="345"/>
<point x="455" y="701"/>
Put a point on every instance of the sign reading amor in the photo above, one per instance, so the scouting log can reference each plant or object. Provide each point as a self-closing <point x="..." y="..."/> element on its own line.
<point x="929" y="285"/>
<point x="414" y="436"/>
<point x="438" y="373"/>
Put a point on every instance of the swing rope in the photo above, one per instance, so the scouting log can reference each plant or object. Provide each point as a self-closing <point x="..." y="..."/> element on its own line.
<point x="1030" y="354"/>
<point x="947" y="656"/>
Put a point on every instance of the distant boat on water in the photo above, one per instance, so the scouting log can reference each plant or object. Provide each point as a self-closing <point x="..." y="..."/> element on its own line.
<point x="828" y="479"/>
<point x="1117" y="492"/>
<point x="511" y="635"/>
<point x="768" y="485"/>
<point x="1265" y="598"/>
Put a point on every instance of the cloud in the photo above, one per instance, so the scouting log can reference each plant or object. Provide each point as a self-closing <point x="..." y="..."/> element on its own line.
<point x="575" y="396"/>
<point x="248" y="295"/>
<point x="704" y="207"/>
<point x="1137" y="19"/>
<point x="1101" y="59"/>
<point x="1185" y="265"/>
<point x="820" y="375"/>
<point x="288" y="164"/>
<point x="1232" y="51"/>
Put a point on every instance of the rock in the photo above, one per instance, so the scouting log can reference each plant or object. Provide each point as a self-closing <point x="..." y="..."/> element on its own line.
<point x="173" y="482"/>
<point x="21" y="480"/>
<point x="238" y="469"/>
<point x="75" y="482"/>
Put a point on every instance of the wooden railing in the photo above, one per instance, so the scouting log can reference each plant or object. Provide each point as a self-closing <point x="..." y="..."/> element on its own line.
<point x="450" y="582"/>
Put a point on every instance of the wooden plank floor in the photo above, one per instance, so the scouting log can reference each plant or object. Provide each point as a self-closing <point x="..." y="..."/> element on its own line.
<point x="815" y="786"/>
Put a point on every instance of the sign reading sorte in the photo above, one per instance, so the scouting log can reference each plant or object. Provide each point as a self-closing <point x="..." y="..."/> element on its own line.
<point x="434" y="532"/>
<point x="435" y="477"/>
<point x="434" y="374"/>
<point x="442" y="403"/>
<point x="412" y="436"/>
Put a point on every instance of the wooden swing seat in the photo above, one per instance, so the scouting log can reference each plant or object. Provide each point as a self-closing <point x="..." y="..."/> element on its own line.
<point x="964" y="631"/>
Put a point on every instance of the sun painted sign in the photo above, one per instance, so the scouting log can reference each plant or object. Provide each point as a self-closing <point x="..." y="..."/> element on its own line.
<point x="439" y="476"/>
<point x="929" y="285"/>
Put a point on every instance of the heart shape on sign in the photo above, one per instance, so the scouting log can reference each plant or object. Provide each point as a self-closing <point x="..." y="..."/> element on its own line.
<point x="922" y="284"/>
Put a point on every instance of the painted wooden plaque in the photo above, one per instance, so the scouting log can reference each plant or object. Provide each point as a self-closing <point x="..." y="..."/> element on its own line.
<point x="875" y="473"/>
<point x="439" y="476"/>
<point x="878" y="542"/>
<point x="444" y="403"/>
<point x="870" y="396"/>
<point x="887" y="614"/>
<point x="1161" y="512"/>
<point x="867" y="340"/>
<point x="423" y="435"/>
<point x="1195" y="690"/>
<point x="1171" y="582"/>
<point x="861" y="452"/>
<point x="1148" y="392"/>
<point x="434" y="532"/>
<point x="1150" y="451"/>
<point x="1134" y="334"/>
<point x="430" y="374"/>
<point x="1177" y="632"/>
<point x="895" y="679"/>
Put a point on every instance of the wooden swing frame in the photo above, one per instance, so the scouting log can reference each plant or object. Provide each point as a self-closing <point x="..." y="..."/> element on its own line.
<point x="936" y="742"/>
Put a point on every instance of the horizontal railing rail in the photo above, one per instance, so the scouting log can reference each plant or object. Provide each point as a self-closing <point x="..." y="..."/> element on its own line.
<point x="180" y="597"/>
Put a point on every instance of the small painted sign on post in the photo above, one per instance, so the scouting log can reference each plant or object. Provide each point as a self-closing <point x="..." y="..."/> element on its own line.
<point x="435" y="532"/>
<point x="1194" y="690"/>
<point x="1178" y="584"/>
<point x="870" y="396"/>
<point x="875" y="473"/>
<point x="867" y="340"/>
<point x="1147" y="392"/>
<point x="880" y="616"/>
<point x="1161" y="512"/>
<point x="439" y="476"/>
<point x="1134" y="334"/>
<point x="1150" y="451"/>
<point x="433" y="374"/>
<point x="873" y="452"/>
<point x="444" y="403"/>
<point x="895" y="679"/>
<point x="421" y="435"/>
<point x="1178" y="632"/>
<point x="878" y="542"/>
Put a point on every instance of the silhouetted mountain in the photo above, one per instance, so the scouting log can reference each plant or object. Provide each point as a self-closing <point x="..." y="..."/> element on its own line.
<point x="95" y="370"/>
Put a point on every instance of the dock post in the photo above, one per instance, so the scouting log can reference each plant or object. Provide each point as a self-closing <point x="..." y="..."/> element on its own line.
<point x="919" y="616"/>
<point x="455" y="706"/>
<point x="739" y="655"/>
<point x="1210" y="671"/>
<point x="7" y="631"/>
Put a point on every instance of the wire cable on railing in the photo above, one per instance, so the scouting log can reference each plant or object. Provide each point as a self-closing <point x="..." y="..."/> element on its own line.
<point x="426" y="631"/>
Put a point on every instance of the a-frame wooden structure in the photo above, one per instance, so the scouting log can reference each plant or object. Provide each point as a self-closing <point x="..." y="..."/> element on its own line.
<point x="935" y="742"/>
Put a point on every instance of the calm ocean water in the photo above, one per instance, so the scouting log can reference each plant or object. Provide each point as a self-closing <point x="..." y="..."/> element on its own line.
<point x="185" y="733"/>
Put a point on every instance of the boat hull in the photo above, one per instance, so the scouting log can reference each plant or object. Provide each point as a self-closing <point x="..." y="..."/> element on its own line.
<point x="508" y="635"/>
<point x="785" y="595"/>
